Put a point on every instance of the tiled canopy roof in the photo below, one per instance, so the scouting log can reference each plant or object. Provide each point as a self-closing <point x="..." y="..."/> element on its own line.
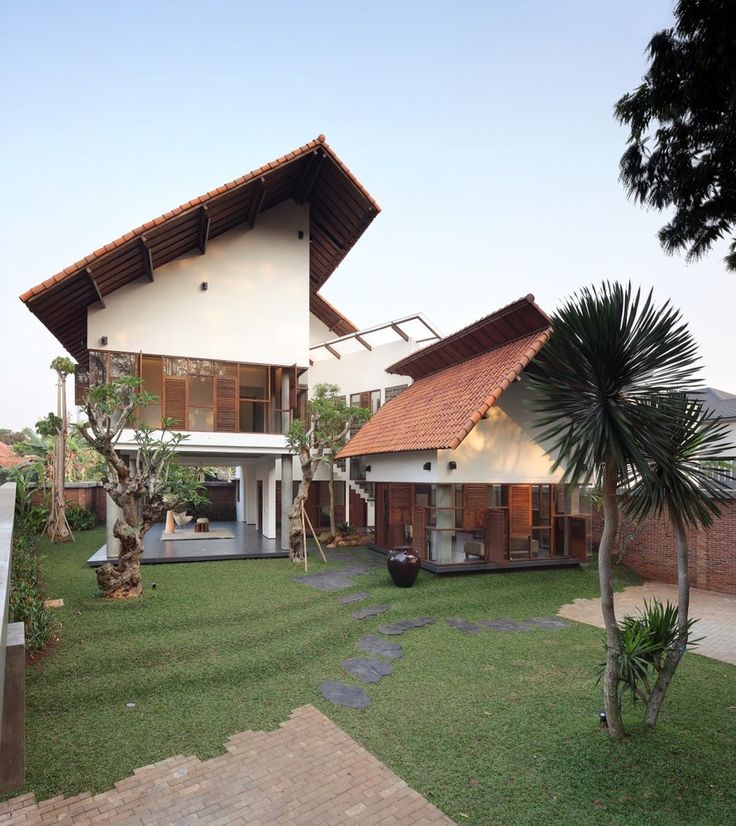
<point x="340" y="211"/>
<point x="439" y="410"/>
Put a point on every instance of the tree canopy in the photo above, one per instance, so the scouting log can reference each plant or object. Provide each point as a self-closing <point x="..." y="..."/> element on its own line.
<point x="682" y="121"/>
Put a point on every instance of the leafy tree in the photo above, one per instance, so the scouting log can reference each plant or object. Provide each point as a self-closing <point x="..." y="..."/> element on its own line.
<point x="685" y="488"/>
<point x="144" y="488"/>
<point x="610" y="352"/>
<point x="11" y="437"/>
<point x="682" y="122"/>
<point x="330" y="421"/>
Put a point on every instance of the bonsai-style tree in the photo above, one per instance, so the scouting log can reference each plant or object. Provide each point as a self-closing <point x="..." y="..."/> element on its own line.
<point x="145" y="488"/>
<point x="682" y="129"/>
<point x="610" y="352"/>
<point x="686" y="489"/>
<point x="55" y="426"/>
<point x="316" y="442"/>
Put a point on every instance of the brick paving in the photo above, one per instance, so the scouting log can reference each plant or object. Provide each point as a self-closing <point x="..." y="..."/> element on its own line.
<point x="716" y="613"/>
<point x="308" y="771"/>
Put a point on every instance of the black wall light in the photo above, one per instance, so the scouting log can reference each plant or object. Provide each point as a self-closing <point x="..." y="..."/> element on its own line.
<point x="367" y="468"/>
<point x="103" y="341"/>
<point x="204" y="286"/>
<point x="427" y="466"/>
<point x="452" y="465"/>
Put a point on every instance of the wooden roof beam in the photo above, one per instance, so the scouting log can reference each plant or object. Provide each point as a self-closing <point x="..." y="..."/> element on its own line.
<point x="397" y="329"/>
<point x="147" y="258"/>
<point x="95" y="287"/>
<point x="363" y="342"/>
<point x="333" y="351"/>
<point x="309" y="176"/>
<point x="257" y="203"/>
<point x="204" y="229"/>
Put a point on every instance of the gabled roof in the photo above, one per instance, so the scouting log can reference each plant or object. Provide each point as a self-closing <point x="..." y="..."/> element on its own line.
<point x="443" y="406"/>
<point x="340" y="211"/>
<point x="722" y="405"/>
<point x="512" y="321"/>
<point x="330" y="316"/>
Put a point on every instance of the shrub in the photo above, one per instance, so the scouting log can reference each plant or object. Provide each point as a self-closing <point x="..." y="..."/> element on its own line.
<point x="79" y="518"/>
<point x="35" y="518"/>
<point x="27" y="594"/>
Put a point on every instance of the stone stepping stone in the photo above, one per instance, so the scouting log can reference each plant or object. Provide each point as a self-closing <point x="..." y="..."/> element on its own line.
<point x="372" y="644"/>
<point x="397" y="628"/>
<point x="370" y="611"/>
<point x="548" y="623"/>
<point x="326" y="581"/>
<point x="346" y="600"/>
<point x="342" y="694"/>
<point x="367" y="670"/>
<point x="463" y="625"/>
<point x="505" y="625"/>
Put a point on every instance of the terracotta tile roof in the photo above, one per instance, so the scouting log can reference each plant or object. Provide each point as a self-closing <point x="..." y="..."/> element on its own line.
<point x="439" y="410"/>
<point x="9" y="459"/>
<point x="340" y="211"/>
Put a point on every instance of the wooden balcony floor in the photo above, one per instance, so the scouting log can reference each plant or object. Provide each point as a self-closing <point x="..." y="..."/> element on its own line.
<point x="247" y="543"/>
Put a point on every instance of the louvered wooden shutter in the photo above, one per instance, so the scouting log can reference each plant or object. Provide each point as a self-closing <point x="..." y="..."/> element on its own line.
<point x="520" y="500"/>
<point x="419" y="531"/>
<point x="226" y="404"/>
<point x="475" y="502"/>
<point x="496" y="535"/>
<point x="175" y="400"/>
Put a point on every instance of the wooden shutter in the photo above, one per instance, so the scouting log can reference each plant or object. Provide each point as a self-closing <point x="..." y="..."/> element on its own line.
<point x="496" y="535"/>
<point x="226" y="404"/>
<point x="520" y="501"/>
<point x="419" y="530"/>
<point x="175" y="400"/>
<point x="475" y="502"/>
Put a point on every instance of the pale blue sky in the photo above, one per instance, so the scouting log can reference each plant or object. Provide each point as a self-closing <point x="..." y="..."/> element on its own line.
<point x="484" y="130"/>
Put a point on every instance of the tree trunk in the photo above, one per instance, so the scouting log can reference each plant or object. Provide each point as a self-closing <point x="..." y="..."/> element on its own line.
<point x="57" y="526"/>
<point x="123" y="579"/>
<point x="664" y="678"/>
<point x="331" y="486"/>
<point x="296" y="548"/>
<point x="613" y="636"/>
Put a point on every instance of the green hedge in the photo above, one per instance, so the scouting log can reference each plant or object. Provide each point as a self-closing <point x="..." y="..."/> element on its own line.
<point x="27" y="593"/>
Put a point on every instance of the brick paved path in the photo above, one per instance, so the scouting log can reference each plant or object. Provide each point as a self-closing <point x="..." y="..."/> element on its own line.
<point x="716" y="615"/>
<point x="308" y="771"/>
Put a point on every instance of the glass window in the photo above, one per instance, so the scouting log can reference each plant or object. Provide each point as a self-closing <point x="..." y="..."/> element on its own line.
<point x="253" y="382"/>
<point x="226" y="368"/>
<point x="151" y="416"/>
<point x="201" y="390"/>
<point x="201" y="367"/>
<point x="151" y="373"/>
<point x="201" y="418"/>
<point x="175" y="367"/>
<point x="97" y="369"/>
<point x="252" y="417"/>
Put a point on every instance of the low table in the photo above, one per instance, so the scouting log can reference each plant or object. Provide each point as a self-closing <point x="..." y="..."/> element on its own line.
<point x="202" y="525"/>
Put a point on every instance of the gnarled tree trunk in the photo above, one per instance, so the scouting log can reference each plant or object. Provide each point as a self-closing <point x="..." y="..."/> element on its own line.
<point x="664" y="678"/>
<point x="331" y="487"/>
<point x="296" y="546"/>
<point x="613" y="636"/>
<point x="123" y="579"/>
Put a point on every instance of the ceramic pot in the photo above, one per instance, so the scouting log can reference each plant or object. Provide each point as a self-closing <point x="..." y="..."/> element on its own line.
<point x="403" y="566"/>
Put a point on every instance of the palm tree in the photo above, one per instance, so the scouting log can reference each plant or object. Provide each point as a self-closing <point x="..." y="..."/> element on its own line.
<point x="686" y="488"/>
<point x="610" y="352"/>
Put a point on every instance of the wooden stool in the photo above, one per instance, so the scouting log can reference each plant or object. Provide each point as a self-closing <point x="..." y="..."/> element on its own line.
<point x="202" y="525"/>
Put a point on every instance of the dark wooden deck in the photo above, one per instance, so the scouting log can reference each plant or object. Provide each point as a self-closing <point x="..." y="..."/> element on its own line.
<point x="247" y="543"/>
<point x="479" y="566"/>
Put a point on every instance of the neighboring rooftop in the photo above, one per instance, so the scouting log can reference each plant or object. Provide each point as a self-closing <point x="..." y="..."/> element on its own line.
<point x="340" y="211"/>
<point x="444" y="405"/>
<point x="721" y="404"/>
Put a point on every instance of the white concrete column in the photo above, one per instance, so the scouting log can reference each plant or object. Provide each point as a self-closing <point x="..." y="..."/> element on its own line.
<point x="287" y="498"/>
<point x="112" y="512"/>
<point x="240" y="473"/>
<point x="251" y="494"/>
<point x="269" y="502"/>
<point x="445" y="519"/>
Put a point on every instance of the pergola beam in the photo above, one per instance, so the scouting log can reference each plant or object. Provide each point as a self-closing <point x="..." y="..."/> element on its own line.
<point x="204" y="229"/>
<point x="147" y="258"/>
<point x="395" y="327"/>
<point x="95" y="287"/>
<point x="257" y="203"/>
<point x="363" y="342"/>
<point x="332" y="350"/>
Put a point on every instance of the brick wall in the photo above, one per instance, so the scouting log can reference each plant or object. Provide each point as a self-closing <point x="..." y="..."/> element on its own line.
<point x="88" y="495"/>
<point x="712" y="553"/>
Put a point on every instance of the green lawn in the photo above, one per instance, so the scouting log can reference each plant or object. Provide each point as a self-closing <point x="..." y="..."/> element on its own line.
<point x="494" y="728"/>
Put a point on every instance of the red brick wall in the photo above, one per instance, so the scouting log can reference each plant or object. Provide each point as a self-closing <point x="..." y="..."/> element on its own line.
<point x="91" y="497"/>
<point x="712" y="553"/>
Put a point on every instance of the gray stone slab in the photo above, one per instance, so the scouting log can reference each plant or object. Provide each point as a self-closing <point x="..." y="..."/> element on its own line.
<point x="342" y="694"/>
<point x="372" y="644"/>
<point x="397" y="628"/>
<point x="346" y="600"/>
<point x="366" y="669"/>
<point x="464" y="626"/>
<point x="548" y="623"/>
<point x="326" y="581"/>
<point x="370" y="611"/>
<point x="504" y="625"/>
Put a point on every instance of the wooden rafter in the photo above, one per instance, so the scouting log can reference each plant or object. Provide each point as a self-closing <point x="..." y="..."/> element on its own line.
<point x="257" y="202"/>
<point x="309" y="177"/>
<point x="94" y="286"/>
<point x="204" y="229"/>
<point x="147" y="258"/>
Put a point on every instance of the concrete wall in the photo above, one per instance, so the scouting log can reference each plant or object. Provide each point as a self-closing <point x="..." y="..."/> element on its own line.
<point x="318" y="331"/>
<point x="256" y="307"/>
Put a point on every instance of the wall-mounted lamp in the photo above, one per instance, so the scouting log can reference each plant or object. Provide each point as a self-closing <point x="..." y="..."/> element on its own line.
<point x="103" y="341"/>
<point x="367" y="468"/>
<point x="452" y="465"/>
<point x="301" y="234"/>
<point x="203" y="286"/>
<point x="427" y="466"/>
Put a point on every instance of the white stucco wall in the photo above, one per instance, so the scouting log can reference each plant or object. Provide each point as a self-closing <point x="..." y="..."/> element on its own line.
<point x="501" y="448"/>
<point x="256" y="307"/>
<point x="318" y="331"/>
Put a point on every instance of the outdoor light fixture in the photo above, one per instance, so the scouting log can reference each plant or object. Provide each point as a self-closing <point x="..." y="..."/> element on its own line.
<point x="203" y="286"/>
<point x="427" y="466"/>
<point x="367" y="468"/>
<point x="301" y="234"/>
<point x="103" y="341"/>
<point x="602" y="717"/>
<point x="452" y="465"/>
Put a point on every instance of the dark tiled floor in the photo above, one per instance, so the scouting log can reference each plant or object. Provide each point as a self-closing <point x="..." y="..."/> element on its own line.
<point x="247" y="543"/>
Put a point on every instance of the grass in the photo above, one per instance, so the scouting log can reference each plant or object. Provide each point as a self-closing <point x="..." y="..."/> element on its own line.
<point x="494" y="728"/>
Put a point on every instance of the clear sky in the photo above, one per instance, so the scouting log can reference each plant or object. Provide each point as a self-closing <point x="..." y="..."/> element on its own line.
<point x="484" y="130"/>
